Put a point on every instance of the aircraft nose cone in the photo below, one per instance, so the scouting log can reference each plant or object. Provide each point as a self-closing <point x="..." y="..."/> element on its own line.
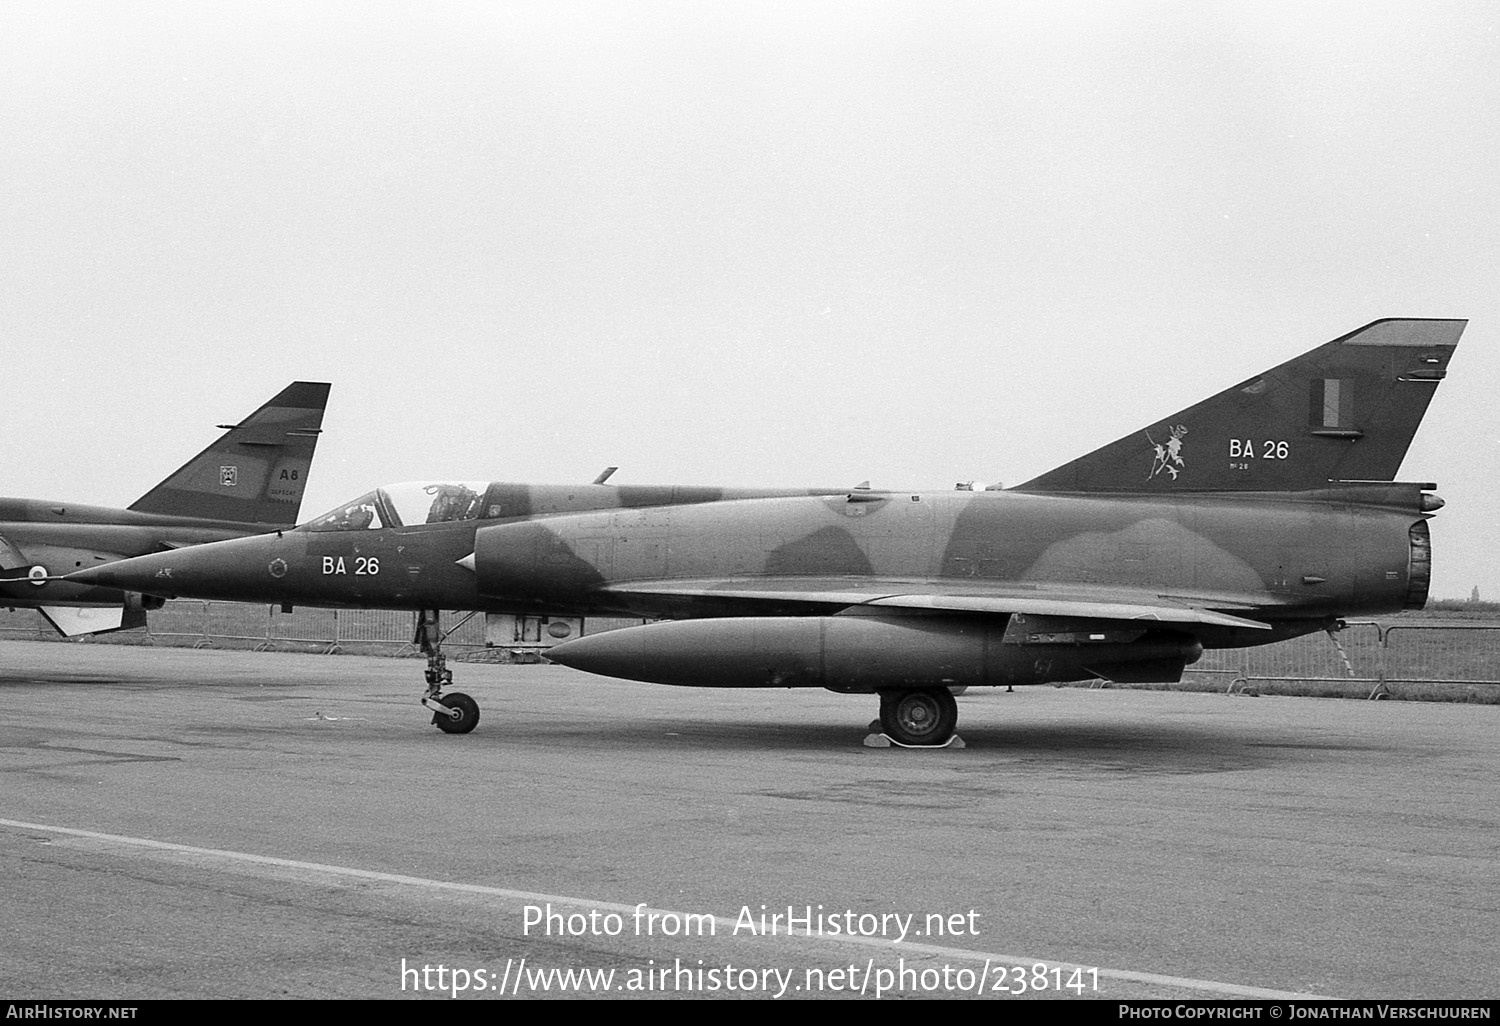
<point x="125" y="574"/>
<point x="238" y="570"/>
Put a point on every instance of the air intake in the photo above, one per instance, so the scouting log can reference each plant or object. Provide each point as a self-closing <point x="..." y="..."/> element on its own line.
<point x="1419" y="566"/>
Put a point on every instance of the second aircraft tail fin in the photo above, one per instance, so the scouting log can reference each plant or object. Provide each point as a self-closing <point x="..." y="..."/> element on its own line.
<point x="1346" y="411"/>
<point x="257" y="471"/>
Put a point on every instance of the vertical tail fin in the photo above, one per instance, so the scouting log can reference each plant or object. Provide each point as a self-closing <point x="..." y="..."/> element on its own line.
<point x="1346" y="411"/>
<point x="256" y="472"/>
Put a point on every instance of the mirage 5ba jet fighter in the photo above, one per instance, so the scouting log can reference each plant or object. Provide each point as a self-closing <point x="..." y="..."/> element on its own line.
<point x="1263" y="513"/>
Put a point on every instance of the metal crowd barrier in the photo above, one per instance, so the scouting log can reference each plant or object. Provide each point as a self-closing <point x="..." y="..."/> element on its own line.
<point x="1370" y="655"/>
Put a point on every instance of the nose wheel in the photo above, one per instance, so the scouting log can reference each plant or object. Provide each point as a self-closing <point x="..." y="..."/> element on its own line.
<point x="460" y="716"/>
<point x="453" y="713"/>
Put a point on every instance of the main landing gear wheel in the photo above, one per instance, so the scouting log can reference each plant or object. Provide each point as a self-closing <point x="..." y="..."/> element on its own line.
<point x="462" y="719"/>
<point x="920" y="717"/>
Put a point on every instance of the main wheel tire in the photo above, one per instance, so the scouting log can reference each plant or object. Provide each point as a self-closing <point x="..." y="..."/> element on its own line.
<point x="921" y="716"/>
<point x="468" y="714"/>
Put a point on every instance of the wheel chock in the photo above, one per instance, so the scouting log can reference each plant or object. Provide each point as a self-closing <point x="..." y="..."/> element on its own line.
<point x="879" y="739"/>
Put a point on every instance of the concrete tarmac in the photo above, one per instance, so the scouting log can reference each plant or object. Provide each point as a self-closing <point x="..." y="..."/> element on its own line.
<point x="198" y="823"/>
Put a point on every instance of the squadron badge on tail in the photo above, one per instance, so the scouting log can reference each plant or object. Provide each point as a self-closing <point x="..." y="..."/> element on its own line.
<point x="1168" y="454"/>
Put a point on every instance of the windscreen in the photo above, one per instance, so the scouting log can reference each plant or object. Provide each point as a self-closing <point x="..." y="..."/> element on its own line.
<point x="362" y="514"/>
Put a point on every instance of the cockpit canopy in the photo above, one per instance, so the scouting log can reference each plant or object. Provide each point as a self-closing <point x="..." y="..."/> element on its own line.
<point x="407" y="504"/>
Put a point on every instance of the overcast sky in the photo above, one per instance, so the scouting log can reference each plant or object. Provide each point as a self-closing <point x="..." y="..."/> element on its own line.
<point x="730" y="243"/>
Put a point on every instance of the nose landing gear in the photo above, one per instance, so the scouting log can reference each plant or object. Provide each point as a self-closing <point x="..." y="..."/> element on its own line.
<point x="454" y="713"/>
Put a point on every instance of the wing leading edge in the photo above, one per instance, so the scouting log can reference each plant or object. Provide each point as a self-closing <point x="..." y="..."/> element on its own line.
<point x="1102" y="604"/>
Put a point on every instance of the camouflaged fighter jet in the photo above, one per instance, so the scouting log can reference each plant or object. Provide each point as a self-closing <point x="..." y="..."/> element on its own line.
<point x="249" y="481"/>
<point x="1266" y="512"/>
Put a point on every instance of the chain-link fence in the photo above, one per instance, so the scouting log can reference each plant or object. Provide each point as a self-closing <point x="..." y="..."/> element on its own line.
<point x="200" y="624"/>
<point x="1413" y="659"/>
